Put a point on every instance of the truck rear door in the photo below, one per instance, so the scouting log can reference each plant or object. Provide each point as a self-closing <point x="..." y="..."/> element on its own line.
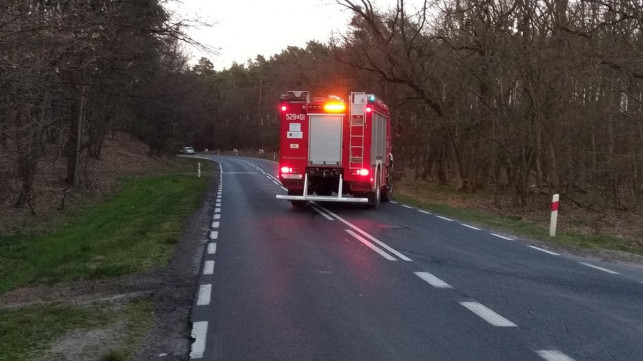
<point x="325" y="142"/>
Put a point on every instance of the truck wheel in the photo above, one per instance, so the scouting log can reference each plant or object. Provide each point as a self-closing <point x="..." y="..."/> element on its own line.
<point x="374" y="197"/>
<point x="387" y="191"/>
<point x="297" y="204"/>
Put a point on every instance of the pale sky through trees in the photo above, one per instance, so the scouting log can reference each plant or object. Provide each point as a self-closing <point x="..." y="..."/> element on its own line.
<point x="244" y="28"/>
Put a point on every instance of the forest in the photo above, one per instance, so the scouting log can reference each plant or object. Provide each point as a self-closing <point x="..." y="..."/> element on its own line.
<point x="512" y="97"/>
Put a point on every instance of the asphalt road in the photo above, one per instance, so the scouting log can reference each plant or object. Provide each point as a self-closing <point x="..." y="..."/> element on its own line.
<point x="340" y="282"/>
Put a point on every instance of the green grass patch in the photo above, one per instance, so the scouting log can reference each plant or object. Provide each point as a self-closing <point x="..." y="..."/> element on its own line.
<point x="29" y="333"/>
<point x="134" y="230"/>
<point x="440" y="200"/>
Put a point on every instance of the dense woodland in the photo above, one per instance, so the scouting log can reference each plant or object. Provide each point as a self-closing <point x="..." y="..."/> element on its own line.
<point x="513" y="97"/>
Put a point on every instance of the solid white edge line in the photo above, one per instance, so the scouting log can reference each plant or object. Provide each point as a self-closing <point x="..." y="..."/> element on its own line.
<point x="487" y="314"/>
<point x="382" y="244"/>
<point x="212" y="248"/>
<point x="214" y="234"/>
<point x="199" y="332"/>
<point x="503" y="237"/>
<point x="284" y="188"/>
<point x="445" y="218"/>
<point x="322" y="213"/>
<point x="432" y="280"/>
<point x="215" y="224"/>
<point x="204" y="295"/>
<point x="208" y="268"/>
<point x="599" y="268"/>
<point x="371" y="246"/>
<point x="472" y="227"/>
<point x="544" y="250"/>
<point x="553" y="355"/>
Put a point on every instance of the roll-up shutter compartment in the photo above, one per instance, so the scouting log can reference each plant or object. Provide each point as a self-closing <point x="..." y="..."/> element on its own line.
<point x="325" y="145"/>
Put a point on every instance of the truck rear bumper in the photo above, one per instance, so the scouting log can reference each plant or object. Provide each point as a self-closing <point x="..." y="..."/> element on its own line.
<point x="323" y="198"/>
<point x="307" y="197"/>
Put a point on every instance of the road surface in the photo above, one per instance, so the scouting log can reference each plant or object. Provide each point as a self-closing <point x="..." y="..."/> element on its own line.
<point x="340" y="282"/>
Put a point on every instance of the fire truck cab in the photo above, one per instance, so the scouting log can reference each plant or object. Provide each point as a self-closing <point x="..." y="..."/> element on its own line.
<point x="335" y="150"/>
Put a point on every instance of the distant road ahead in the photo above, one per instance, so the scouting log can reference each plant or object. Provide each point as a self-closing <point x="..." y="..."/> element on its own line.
<point x="340" y="282"/>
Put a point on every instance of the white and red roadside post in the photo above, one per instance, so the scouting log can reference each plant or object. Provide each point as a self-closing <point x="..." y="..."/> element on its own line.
<point x="554" y="215"/>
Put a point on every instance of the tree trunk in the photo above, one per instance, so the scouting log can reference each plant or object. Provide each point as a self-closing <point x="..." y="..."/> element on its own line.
<point x="74" y="142"/>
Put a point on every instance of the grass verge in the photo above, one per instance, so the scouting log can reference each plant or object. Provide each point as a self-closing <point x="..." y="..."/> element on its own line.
<point x="115" y="331"/>
<point x="438" y="200"/>
<point x="133" y="231"/>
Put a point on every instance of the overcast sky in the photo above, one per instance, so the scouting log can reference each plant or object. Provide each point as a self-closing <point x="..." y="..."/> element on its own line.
<point x="241" y="29"/>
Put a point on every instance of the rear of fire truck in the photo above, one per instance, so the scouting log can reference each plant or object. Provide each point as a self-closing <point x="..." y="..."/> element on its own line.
<point x="333" y="150"/>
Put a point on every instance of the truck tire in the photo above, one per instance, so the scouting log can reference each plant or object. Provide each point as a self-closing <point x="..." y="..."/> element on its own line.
<point x="297" y="204"/>
<point x="387" y="190"/>
<point x="375" y="197"/>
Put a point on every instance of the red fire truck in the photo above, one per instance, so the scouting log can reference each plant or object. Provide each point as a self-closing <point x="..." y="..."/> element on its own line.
<point x="335" y="150"/>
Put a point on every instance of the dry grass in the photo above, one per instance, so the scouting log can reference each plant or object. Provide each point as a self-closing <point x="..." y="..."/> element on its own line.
<point x="624" y="226"/>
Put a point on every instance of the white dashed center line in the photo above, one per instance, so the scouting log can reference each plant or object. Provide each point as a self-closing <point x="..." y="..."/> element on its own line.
<point x="488" y="315"/>
<point x="553" y="355"/>
<point x="432" y="280"/>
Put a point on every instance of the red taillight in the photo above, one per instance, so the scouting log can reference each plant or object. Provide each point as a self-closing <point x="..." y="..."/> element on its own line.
<point x="289" y="173"/>
<point x="283" y="108"/>
<point x="369" y="109"/>
<point x="363" y="172"/>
